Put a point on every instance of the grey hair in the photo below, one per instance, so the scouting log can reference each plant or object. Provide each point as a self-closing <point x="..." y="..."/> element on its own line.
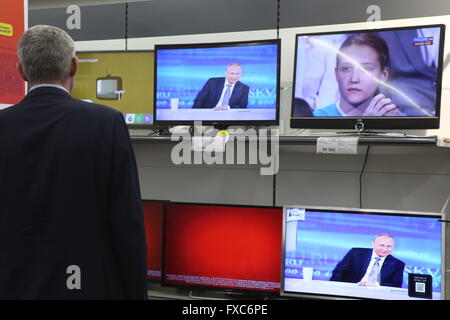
<point x="383" y="235"/>
<point x="45" y="53"/>
<point x="234" y="64"/>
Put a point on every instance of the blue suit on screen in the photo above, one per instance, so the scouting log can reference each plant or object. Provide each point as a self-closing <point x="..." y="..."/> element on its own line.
<point x="354" y="265"/>
<point x="410" y="74"/>
<point x="210" y="94"/>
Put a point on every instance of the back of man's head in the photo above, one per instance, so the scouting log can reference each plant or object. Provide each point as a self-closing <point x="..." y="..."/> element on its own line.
<point x="45" y="54"/>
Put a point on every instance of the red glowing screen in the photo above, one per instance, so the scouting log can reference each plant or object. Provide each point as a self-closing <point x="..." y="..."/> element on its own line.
<point x="223" y="247"/>
<point x="12" y="25"/>
<point x="153" y="220"/>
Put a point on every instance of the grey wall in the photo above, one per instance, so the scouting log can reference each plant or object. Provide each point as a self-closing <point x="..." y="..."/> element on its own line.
<point x="175" y="17"/>
<point x="227" y="183"/>
<point x="395" y="178"/>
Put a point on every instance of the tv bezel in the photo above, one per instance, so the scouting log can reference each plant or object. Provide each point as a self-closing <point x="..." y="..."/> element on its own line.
<point x="211" y="287"/>
<point x="369" y="123"/>
<point x="382" y="212"/>
<point x="129" y="125"/>
<point x="219" y="123"/>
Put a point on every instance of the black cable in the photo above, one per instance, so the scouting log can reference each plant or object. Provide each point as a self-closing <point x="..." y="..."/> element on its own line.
<point x="361" y="174"/>
<point x="126" y="26"/>
<point x="278" y="19"/>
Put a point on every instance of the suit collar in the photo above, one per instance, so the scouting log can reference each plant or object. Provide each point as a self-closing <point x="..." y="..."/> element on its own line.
<point x="42" y="91"/>
<point x="367" y="258"/>
<point x="49" y="85"/>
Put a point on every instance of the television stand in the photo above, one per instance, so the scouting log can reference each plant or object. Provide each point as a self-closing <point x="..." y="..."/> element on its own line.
<point x="229" y="294"/>
<point x="367" y="134"/>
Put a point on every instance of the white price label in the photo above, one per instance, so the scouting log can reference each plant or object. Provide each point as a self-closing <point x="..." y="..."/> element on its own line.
<point x="337" y="145"/>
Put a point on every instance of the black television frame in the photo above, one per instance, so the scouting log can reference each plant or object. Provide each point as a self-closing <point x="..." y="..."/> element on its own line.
<point x="225" y="290"/>
<point x="219" y="123"/>
<point x="368" y="123"/>
<point x="130" y="126"/>
<point x="439" y="216"/>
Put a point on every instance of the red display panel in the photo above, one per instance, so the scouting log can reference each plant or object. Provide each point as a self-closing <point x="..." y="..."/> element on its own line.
<point x="153" y="220"/>
<point x="223" y="247"/>
<point x="12" y="25"/>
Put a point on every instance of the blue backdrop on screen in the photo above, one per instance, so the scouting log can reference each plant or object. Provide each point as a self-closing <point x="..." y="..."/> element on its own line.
<point x="324" y="238"/>
<point x="181" y="73"/>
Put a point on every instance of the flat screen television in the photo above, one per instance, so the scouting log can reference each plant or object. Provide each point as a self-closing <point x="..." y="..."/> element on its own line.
<point x="386" y="78"/>
<point x="122" y="80"/>
<point x="223" y="84"/>
<point x="333" y="251"/>
<point x="153" y="221"/>
<point x="226" y="247"/>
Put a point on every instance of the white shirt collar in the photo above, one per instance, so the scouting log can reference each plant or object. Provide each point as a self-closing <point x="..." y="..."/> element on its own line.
<point x="226" y="82"/>
<point x="374" y="255"/>
<point x="49" y="85"/>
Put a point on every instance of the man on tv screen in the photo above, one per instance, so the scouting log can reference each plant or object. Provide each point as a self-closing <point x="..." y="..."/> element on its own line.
<point x="371" y="267"/>
<point x="224" y="93"/>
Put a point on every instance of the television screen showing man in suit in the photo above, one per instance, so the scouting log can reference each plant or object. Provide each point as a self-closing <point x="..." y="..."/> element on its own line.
<point x="235" y="81"/>
<point x="351" y="253"/>
<point x="371" y="266"/>
<point x="223" y="93"/>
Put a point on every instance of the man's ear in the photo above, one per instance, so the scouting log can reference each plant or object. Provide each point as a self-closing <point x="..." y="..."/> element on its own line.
<point x="19" y="67"/>
<point x="73" y="66"/>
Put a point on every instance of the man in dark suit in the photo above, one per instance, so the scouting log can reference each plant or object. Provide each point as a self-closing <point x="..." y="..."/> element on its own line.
<point x="371" y="267"/>
<point x="71" y="220"/>
<point x="225" y="92"/>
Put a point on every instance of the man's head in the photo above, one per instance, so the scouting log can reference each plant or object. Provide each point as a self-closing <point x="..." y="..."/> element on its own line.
<point x="383" y="244"/>
<point x="47" y="55"/>
<point x="233" y="72"/>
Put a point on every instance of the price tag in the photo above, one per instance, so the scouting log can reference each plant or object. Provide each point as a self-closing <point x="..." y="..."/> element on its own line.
<point x="337" y="145"/>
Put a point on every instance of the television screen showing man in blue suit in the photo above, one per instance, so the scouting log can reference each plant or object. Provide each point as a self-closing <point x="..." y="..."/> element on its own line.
<point x="345" y="252"/>
<point x="224" y="93"/>
<point x="371" y="267"/>
<point x="194" y="81"/>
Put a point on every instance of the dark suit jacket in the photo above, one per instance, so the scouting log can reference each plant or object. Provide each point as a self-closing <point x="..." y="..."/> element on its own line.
<point x="354" y="265"/>
<point x="210" y="94"/>
<point x="410" y="74"/>
<point x="69" y="195"/>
